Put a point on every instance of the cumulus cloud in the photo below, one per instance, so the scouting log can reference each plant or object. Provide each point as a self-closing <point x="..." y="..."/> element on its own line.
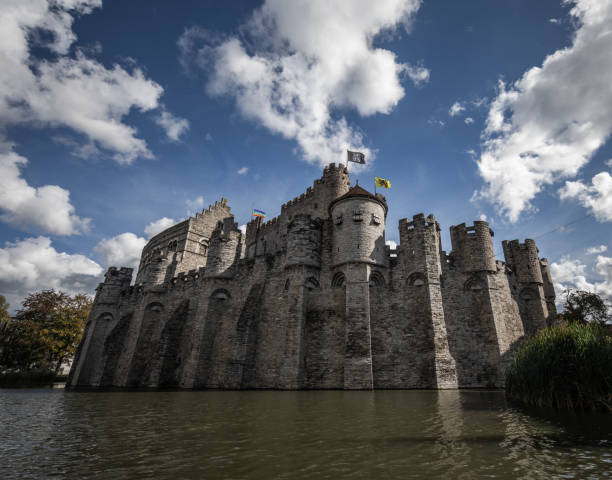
<point x="545" y="126"/>
<point x="121" y="250"/>
<point x="195" y="205"/>
<point x="296" y="62"/>
<point x="468" y="120"/>
<point x="46" y="208"/>
<point x="158" y="226"/>
<point x="243" y="171"/>
<point x="599" y="249"/>
<point x="242" y="228"/>
<point x="569" y="273"/>
<point x="596" y="198"/>
<point x="66" y="89"/>
<point x="456" y="109"/>
<point x="33" y="264"/>
<point x="174" y="126"/>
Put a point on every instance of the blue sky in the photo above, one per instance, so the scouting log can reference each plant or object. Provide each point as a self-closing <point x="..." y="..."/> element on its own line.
<point x="119" y="118"/>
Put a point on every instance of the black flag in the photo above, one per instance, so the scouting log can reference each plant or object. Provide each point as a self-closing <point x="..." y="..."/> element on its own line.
<point x="356" y="157"/>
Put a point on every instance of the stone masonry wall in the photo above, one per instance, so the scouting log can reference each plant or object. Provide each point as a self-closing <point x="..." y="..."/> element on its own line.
<point x="307" y="302"/>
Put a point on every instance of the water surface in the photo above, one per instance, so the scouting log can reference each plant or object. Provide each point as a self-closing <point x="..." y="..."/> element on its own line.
<point x="49" y="433"/>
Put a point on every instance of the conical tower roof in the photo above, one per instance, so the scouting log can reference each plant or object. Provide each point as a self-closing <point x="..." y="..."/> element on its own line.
<point x="359" y="192"/>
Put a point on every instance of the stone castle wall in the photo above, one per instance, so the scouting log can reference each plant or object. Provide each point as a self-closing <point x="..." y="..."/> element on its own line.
<point x="314" y="299"/>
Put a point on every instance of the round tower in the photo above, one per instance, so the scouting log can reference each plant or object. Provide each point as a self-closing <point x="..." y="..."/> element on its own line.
<point x="473" y="247"/>
<point x="358" y="219"/>
<point x="523" y="257"/>
<point x="223" y="248"/>
<point x="304" y="241"/>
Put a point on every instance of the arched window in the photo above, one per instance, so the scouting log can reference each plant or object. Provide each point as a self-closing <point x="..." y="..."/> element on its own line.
<point x="376" y="279"/>
<point x="338" y="280"/>
<point x="473" y="285"/>
<point x="105" y="317"/>
<point x="527" y="294"/>
<point x="311" y="283"/>
<point x="220" y="295"/>
<point x="155" y="307"/>
<point x="203" y="248"/>
<point x="417" y="279"/>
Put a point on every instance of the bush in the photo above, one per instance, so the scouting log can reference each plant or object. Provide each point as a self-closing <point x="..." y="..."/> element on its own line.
<point x="565" y="367"/>
<point x="30" y="378"/>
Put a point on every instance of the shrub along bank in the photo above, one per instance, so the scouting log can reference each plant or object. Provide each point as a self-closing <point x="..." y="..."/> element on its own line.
<point x="566" y="367"/>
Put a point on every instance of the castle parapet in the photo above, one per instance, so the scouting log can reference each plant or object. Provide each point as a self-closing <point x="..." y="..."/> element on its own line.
<point x="224" y="247"/>
<point x="304" y="241"/>
<point x="524" y="261"/>
<point x="473" y="247"/>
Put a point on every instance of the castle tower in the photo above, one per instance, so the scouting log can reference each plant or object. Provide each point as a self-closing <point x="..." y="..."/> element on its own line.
<point x="224" y="247"/>
<point x="549" y="288"/>
<point x="358" y="222"/>
<point x="419" y="254"/>
<point x="103" y="316"/>
<point x="302" y="266"/>
<point x="473" y="247"/>
<point x="523" y="259"/>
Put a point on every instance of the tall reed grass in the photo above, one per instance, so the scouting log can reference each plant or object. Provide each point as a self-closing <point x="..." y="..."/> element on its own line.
<point x="566" y="367"/>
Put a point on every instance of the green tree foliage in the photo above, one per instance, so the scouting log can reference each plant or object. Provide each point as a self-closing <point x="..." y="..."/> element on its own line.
<point x="45" y="331"/>
<point x="4" y="314"/>
<point x="568" y="366"/>
<point x="584" y="307"/>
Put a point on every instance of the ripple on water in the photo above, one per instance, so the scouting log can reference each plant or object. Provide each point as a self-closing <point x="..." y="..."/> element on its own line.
<point x="292" y="435"/>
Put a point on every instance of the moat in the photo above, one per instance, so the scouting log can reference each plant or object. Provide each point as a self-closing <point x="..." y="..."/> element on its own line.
<point x="49" y="433"/>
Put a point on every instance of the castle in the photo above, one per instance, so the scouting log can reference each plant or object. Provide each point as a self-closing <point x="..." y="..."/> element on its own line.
<point x="314" y="299"/>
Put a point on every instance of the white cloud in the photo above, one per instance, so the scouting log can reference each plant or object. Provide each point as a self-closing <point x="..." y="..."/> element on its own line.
<point x="392" y="244"/>
<point x="597" y="198"/>
<point x="547" y="125"/>
<point x="172" y="125"/>
<point x="33" y="264"/>
<point x="468" y="120"/>
<point x="195" y="205"/>
<point x="121" y="250"/>
<point x="569" y="273"/>
<point x="599" y="249"/>
<point x="455" y="109"/>
<point x="208" y="137"/>
<point x="554" y="20"/>
<point x="609" y="163"/>
<point x="243" y="171"/>
<point x="45" y="208"/>
<point x="68" y="90"/>
<point x="158" y="226"/>
<point x="482" y="217"/>
<point x="242" y="228"/>
<point x="295" y="62"/>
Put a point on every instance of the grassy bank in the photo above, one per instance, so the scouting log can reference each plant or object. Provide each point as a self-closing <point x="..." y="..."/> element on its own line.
<point x="567" y="367"/>
<point x="30" y="378"/>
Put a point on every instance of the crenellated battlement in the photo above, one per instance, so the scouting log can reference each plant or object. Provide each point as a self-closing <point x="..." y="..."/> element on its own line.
<point x="523" y="259"/>
<point x="418" y="222"/>
<point x="473" y="247"/>
<point x="115" y="276"/>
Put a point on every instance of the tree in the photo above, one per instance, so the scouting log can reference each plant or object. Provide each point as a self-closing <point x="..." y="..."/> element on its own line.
<point x="584" y="307"/>
<point x="4" y="314"/>
<point x="45" y="331"/>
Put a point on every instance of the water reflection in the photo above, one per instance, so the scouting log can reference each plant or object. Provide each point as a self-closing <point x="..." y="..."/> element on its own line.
<point x="293" y="435"/>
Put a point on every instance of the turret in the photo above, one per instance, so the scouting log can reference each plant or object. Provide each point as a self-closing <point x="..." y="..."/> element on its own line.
<point x="304" y="241"/>
<point x="473" y="247"/>
<point x="224" y="247"/>
<point x="419" y="249"/>
<point x="523" y="258"/>
<point x="358" y="220"/>
<point x="534" y="307"/>
<point x="115" y="281"/>
<point x="549" y="289"/>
